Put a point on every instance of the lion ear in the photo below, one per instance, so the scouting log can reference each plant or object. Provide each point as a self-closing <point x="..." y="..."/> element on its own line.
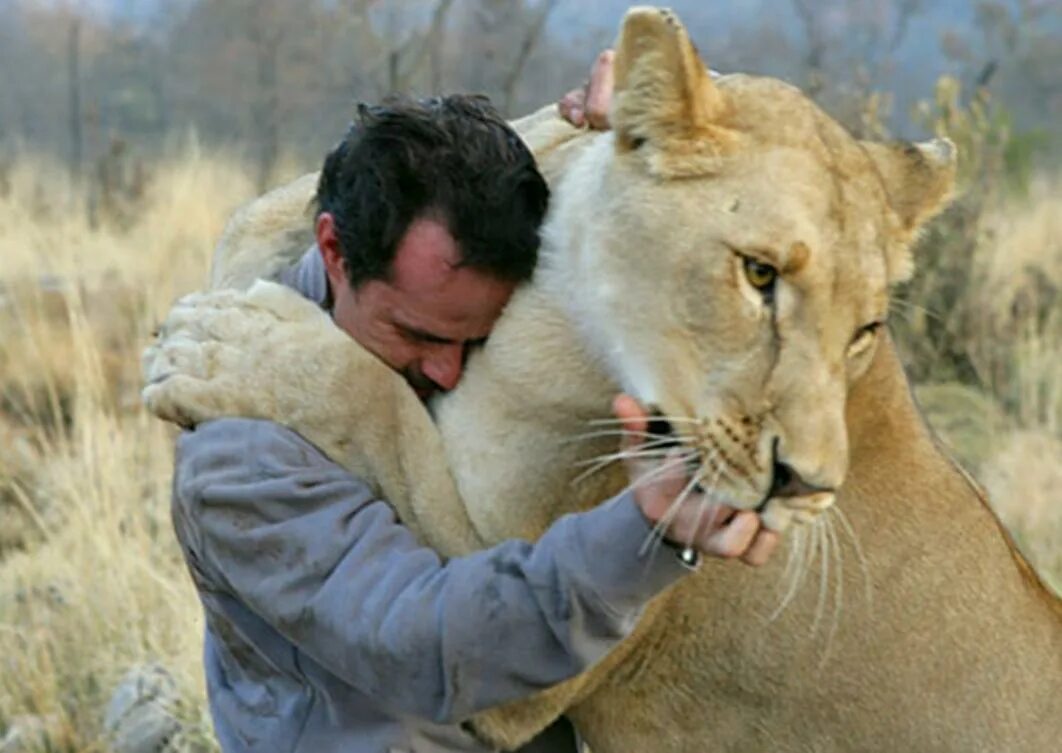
<point x="664" y="96"/>
<point x="919" y="180"/>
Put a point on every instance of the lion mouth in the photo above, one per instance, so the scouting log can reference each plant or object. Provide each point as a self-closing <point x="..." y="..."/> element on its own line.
<point x="777" y="513"/>
<point x="788" y="498"/>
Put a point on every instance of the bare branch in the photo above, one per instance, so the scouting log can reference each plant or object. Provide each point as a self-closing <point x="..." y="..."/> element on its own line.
<point x="904" y="12"/>
<point x="528" y="45"/>
<point x="438" y="23"/>
<point x="422" y="44"/>
<point x="816" y="45"/>
<point x="73" y="58"/>
<point x="986" y="74"/>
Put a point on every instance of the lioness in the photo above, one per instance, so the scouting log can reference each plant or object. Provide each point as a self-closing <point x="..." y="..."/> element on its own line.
<point x="723" y="254"/>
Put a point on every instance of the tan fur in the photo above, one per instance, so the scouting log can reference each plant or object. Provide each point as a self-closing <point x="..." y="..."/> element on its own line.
<point x="257" y="240"/>
<point x="944" y="639"/>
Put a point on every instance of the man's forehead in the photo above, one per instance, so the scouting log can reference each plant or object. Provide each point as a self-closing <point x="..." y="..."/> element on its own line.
<point x="426" y="258"/>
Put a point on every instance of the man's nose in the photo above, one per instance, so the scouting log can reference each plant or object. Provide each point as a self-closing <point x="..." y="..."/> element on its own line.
<point x="444" y="365"/>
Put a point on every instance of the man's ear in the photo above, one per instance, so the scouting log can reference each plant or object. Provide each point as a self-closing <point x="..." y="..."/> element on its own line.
<point x="328" y="244"/>
<point x="664" y="97"/>
<point x="919" y="180"/>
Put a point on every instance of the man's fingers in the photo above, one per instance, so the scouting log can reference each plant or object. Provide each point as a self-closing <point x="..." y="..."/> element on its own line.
<point x="671" y="478"/>
<point x="635" y="420"/>
<point x="717" y="530"/>
<point x="762" y="548"/>
<point x="599" y="91"/>
<point x="734" y="539"/>
<point x="572" y="107"/>
<point x="698" y="519"/>
<point x="590" y="104"/>
<point x="661" y="489"/>
<point x="715" y="519"/>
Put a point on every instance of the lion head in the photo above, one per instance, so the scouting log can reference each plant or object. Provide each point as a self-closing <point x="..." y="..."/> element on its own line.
<point x="728" y="253"/>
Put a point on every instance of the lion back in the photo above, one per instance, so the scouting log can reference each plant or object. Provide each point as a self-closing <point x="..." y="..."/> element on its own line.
<point x="265" y="236"/>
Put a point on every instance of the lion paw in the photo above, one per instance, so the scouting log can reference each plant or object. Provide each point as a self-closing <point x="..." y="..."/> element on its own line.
<point x="217" y="352"/>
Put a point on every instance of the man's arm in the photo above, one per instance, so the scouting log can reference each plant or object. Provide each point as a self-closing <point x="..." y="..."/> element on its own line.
<point x="307" y="547"/>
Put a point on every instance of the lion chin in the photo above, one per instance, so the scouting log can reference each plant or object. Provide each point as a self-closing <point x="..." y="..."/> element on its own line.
<point x="725" y="254"/>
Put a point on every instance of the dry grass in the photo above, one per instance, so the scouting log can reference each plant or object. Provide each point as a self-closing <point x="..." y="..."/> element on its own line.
<point x="90" y="579"/>
<point x="1020" y="325"/>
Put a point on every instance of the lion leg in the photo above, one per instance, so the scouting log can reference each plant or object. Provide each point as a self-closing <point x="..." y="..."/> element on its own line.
<point x="409" y="462"/>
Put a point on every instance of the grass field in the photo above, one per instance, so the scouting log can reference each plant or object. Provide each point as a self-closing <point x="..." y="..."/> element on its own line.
<point x="91" y="582"/>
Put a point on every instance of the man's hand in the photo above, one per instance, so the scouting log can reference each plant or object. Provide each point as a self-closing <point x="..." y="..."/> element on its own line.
<point x="720" y="531"/>
<point x="589" y="104"/>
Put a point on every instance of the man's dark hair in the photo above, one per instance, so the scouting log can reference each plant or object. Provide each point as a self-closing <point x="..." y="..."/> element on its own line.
<point x="450" y="158"/>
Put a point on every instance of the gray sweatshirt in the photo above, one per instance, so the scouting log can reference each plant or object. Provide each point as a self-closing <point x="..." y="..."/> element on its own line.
<point x="329" y="628"/>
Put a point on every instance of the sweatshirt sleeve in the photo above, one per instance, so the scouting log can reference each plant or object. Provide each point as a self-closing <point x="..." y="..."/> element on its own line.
<point x="308" y="547"/>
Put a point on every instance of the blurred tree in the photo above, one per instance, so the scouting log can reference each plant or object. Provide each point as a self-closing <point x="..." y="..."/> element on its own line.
<point x="228" y="68"/>
<point x="73" y="57"/>
<point x="405" y="59"/>
<point x="530" y="39"/>
<point x="278" y="79"/>
<point x="850" y="55"/>
<point x="1015" y="48"/>
<point x="506" y="53"/>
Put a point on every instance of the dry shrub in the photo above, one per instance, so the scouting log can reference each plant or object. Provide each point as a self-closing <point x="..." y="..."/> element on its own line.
<point x="980" y="323"/>
<point x="1014" y="318"/>
<point x="982" y="308"/>
<point x="106" y="588"/>
<point x="1024" y="480"/>
<point x="987" y="314"/>
<point x="969" y="422"/>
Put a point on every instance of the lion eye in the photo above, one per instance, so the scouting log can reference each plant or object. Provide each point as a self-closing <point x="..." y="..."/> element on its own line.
<point x="760" y="276"/>
<point x="868" y="330"/>
<point x="864" y="336"/>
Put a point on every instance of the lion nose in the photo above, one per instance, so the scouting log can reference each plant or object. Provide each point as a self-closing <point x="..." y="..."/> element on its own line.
<point x="786" y="482"/>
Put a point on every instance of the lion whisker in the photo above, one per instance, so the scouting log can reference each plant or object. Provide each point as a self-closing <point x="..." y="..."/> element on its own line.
<point x="824" y="568"/>
<point x="809" y="557"/>
<point x="838" y="601"/>
<point x="790" y="560"/>
<point x="915" y="307"/>
<point x="644" y="479"/>
<point x="705" y="505"/>
<point x="621" y="433"/>
<point x="652" y="541"/>
<point x="645" y="447"/>
<point x="603" y="461"/>
<point x="796" y="565"/>
<point x="847" y="526"/>
<point x="705" y="498"/>
<point x="669" y="419"/>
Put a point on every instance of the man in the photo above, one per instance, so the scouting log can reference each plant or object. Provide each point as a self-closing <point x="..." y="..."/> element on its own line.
<point x="328" y="627"/>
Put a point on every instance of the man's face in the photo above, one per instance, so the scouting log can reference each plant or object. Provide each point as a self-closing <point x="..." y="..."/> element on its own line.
<point x="425" y="317"/>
